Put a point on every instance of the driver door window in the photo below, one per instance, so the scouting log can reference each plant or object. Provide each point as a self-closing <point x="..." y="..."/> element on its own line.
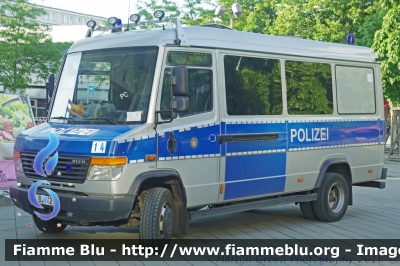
<point x="200" y="92"/>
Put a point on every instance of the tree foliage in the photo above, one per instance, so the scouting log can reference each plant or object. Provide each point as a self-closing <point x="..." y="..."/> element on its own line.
<point x="387" y="46"/>
<point x="27" y="52"/>
<point x="374" y="22"/>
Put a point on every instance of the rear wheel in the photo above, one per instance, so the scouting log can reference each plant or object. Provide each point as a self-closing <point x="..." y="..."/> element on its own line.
<point x="156" y="217"/>
<point x="50" y="226"/>
<point x="333" y="198"/>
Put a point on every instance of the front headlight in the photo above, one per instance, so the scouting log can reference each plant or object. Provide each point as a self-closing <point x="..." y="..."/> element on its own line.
<point x="101" y="172"/>
<point x="106" y="168"/>
<point x="18" y="162"/>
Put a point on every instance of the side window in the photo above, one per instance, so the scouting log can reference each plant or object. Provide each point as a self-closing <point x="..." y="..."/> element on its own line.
<point x="309" y="88"/>
<point x="253" y="86"/>
<point x="355" y="90"/>
<point x="200" y="92"/>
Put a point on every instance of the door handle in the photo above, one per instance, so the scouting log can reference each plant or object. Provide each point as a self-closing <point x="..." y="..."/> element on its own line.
<point x="247" y="137"/>
<point x="171" y="144"/>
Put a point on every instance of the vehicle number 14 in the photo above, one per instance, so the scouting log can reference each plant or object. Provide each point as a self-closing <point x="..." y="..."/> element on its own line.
<point x="99" y="146"/>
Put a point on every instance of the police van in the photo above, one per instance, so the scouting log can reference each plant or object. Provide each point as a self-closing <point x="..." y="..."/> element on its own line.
<point x="158" y="127"/>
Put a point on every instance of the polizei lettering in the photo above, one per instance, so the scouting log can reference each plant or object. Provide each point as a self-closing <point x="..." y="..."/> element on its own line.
<point x="309" y="134"/>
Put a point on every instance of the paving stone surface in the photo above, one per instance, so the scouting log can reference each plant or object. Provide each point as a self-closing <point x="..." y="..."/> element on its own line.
<point x="374" y="215"/>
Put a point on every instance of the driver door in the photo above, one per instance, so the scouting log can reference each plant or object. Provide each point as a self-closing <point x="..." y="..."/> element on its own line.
<point x="189" y="143"/>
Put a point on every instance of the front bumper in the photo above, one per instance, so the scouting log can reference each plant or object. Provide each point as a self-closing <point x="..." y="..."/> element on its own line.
<point x="77" y="208"/>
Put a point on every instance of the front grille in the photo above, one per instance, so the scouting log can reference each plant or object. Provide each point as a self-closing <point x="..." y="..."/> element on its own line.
<point x="78" y="166"/>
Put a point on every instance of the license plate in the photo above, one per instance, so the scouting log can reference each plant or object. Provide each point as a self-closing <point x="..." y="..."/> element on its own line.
<point x="45" y="200"/>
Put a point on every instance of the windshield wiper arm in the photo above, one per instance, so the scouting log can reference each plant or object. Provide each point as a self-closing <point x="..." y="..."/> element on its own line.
<point x="103" y="118"/>
<point x="64" y="118"/>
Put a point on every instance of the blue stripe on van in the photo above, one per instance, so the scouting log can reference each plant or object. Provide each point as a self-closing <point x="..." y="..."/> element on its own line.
<point x="137" y="149"/>
<point x="253" y="146"/>
<point x="258" y="187"/>
<point x="254" y="175"/>
<point x="206" y="137"/>
<point x="255" y="166"/>
<point x="317" y="134"/>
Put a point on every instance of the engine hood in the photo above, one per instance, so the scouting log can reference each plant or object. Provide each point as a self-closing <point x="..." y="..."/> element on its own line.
<point x="73" y="139"/>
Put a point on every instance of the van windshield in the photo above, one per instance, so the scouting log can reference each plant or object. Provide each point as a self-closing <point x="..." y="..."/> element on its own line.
<point x="110" y="86"/>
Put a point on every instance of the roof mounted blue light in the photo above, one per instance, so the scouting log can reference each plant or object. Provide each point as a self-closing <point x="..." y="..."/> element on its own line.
<point x="351" y="39"/>
<point x="117" y="27"/>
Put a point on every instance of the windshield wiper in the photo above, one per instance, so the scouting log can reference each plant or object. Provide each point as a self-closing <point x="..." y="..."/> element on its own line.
<point x="64" y="118"/>
<point x="103" y="118"/>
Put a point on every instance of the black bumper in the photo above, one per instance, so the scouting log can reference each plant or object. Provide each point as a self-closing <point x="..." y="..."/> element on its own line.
<point x="79" y="209"/>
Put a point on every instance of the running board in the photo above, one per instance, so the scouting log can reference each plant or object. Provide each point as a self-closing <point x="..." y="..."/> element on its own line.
<point x="373" y="184"/>
<point x="246" y="206"/>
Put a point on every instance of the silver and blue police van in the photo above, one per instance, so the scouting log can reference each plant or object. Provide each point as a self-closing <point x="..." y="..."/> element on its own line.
<point x="158" y="127"/>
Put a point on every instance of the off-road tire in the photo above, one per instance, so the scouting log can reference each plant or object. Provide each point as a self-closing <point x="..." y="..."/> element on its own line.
<point x="307" y="209"/>
<point x="49" y="226"/>
<point x="156" y="217"/>
<point x="334" y="190"/>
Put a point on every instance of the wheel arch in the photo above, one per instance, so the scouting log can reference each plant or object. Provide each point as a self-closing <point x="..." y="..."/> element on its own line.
<point x="338" y="165"/>
<point x="171" y="180"/>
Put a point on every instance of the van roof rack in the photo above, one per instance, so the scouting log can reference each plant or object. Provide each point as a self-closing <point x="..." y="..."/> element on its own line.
<point x="181" y="37"/>
<point x="216" y="25"/>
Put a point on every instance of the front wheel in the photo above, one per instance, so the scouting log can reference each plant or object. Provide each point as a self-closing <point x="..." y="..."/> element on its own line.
<point x="333" y="198"/>
<point x="157" y="217"/>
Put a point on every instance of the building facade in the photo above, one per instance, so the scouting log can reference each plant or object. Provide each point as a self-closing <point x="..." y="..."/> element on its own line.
<point x="56" y="16"/>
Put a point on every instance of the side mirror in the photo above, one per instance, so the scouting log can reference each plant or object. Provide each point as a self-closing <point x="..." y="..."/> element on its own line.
<point x="179" y="89"/>
<point x="49" y="89"/>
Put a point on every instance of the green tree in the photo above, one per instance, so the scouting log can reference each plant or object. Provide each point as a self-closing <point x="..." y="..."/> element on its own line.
<point x="147" y="8"/>
<point x="321" y="20"/>
<point x="387" y="47"/>
<point x="195" y="13"/>
<point x="258" y="15"/>
<point x="26" y="49"/>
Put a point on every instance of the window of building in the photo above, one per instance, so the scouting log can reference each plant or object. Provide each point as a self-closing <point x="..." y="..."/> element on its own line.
<point x="309" y="88"/>
<point x="355" y="90"/>
<point x="62" y="18"/>
<point x="80" y="20"/>
<point x="71" y="20"/>
<point x="53" y="17"/>
<point x="253" y="85"/>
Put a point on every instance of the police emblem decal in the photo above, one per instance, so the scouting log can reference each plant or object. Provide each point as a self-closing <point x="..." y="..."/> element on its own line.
<point x="194" y="142"/>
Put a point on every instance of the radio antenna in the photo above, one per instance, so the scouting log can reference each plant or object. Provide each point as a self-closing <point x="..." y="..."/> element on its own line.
<point x="129" y="12"/>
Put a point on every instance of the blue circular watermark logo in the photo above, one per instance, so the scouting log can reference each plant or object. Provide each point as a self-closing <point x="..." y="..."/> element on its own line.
<point x="44" y="165"/>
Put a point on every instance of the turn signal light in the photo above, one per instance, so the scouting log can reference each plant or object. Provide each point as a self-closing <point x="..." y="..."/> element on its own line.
<point x="151" y="157"/>
<point x="108" y="161"/>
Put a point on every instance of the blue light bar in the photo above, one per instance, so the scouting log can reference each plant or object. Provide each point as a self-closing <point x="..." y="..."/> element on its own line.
<point x="351" y="39"/>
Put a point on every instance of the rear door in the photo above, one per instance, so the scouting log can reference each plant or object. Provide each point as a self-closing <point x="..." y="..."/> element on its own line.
<point x="253" y="129"/>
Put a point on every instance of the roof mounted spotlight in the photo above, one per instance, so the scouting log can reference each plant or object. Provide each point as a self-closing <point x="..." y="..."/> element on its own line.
<point x="134" y="18"/>
<point x="112" y="21"/>
<point x="91" y="24"/>
<point x="159" y="14"/>
<point x="236" y="11"/>
<point x="220" y="10"/>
